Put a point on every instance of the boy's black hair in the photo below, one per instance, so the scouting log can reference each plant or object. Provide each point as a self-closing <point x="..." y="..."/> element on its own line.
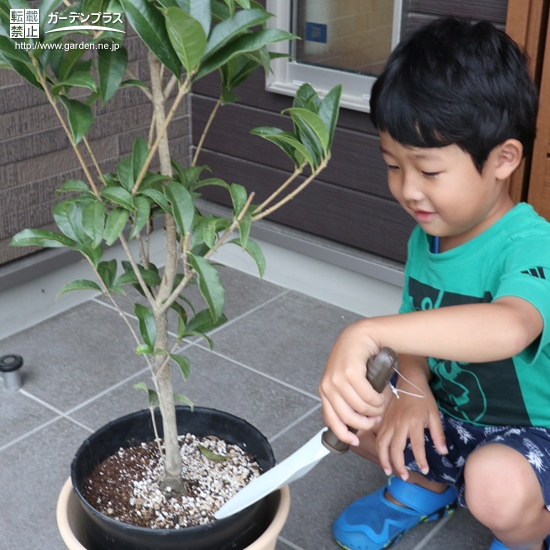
<point x="454" y="82"/>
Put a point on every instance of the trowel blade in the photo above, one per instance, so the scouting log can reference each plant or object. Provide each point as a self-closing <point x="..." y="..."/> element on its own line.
<point x="294" y="467"/>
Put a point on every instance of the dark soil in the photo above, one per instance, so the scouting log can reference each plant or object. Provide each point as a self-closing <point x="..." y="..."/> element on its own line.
<point x="126" y="485"/>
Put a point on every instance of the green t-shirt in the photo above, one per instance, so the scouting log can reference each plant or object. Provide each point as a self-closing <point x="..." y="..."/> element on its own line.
<point x="510" y="258"/>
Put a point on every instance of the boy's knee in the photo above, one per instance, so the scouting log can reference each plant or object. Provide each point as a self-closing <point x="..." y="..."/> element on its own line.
<point x="501" y="486"/>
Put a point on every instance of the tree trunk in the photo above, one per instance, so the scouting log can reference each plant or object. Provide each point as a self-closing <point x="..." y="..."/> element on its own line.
<point x="173" y="477"/>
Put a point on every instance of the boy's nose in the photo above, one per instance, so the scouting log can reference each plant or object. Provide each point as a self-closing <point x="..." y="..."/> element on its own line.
<point x="410" y="189"/>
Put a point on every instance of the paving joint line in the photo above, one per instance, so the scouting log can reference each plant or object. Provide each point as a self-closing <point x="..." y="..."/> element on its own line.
<point x="433" y="533"/>
<point x="290" y="544"/>
<point x="295" y="423"/>
<point x="29" y="433"/>
<point x="268" y="376"/>
<point x="106" y="391"/>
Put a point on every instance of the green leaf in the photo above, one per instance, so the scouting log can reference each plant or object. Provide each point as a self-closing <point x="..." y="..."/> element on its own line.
<point x="68" y="217"/>
<point x="151" y="394"/>
<point x="202" y="322"/>
<point x="307" y="98"/>
<point x="201" y="11"/>
<point x="182" y="206"/>
<point x="107" y="272"/>
<point x="81" y="284"/>
<point x="237" y="70"/>
<point x="158" y="198"/>
<point x="93" y="221"/>
<point x="247" y="43"/>
<point x="69" y="62"/>
<point x="18" y="60"/>
<point x="111" y="67"/>
<point x="183" y="399"/>
<point x="141" y="215"/>
<point x="227" y="30"/>
<point x="187" y="37"/>
<point x="313" y="127"/>
<point x="287" y="142"/>
<point x="134" y="82"/>
<point x="116" y="220"/>
<point x="125" y="173"/>
<point x="257" y="255"/>
<point x="244" y="229"/>
<point x="211" y="455"/>
<point x="210" y="285"/>
<point x="255" y="252"/>
<point x="210" y="181"/>
<point x="328" y="112"/>
<point x="119" y="196"/>
<point x="93" y="254"/>
<point x="74" y="185"/>
<point x="188" y="176"/>
<point x="140" y="152"/>
<point x="150" y="277"/>
<point x="238" y="197"/>
<point x="147" y="327"/>
<point x="80" y="117"/>
<point x="149" y="24"/>
<point x="144" y="349"/>
<point x="182" y="362"/>
<point x="77" y="79"/>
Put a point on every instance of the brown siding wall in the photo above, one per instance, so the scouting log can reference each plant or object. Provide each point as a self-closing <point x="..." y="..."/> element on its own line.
<point x="350" y="202"/>
<point x="36" y="156"/>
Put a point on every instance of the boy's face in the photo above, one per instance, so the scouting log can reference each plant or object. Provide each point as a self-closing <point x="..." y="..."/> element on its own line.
<point x="442" y="190"/>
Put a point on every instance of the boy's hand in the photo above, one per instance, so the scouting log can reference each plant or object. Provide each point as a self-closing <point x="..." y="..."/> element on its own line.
<point x="348" y="398"/>
<point x="406" y="419"/>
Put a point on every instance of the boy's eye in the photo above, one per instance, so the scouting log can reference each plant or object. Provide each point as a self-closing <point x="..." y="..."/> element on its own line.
<point x="391" y="167"/>
<point x="430" y="174"/>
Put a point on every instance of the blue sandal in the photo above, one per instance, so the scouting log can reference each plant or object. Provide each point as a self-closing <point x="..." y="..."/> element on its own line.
<point x="373" y="522"/>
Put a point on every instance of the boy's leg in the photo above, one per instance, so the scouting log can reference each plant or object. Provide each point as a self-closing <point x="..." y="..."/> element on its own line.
<point x="504" y="493"/>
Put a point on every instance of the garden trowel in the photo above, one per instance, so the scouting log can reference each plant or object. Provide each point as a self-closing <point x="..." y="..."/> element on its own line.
<point x="380" y="369"/>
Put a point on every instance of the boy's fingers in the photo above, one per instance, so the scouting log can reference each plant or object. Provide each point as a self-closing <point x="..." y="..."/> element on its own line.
<point x="350" y="408"/>
<point x="437" y="434"/>
<point x="383" y="440"/>
<point x="332" y="420"/>
<point x="418" y="446"/>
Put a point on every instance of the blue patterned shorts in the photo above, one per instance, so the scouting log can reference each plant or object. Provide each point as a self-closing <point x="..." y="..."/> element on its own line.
<point x="463" y="438"/>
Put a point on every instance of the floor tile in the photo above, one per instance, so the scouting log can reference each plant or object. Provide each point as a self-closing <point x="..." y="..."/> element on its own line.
<point x="75" y="355"/>
<point x="29" y="491"/>
<point x="19" y="414"/>
<point x="289" y="338"/>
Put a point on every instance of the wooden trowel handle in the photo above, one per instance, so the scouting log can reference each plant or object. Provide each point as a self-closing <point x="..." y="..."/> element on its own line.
<point x="380" y="369"/>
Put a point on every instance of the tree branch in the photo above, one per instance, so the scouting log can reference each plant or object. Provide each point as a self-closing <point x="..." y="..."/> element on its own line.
<point x="205" y="131"/>
<point x="290" y="196"/>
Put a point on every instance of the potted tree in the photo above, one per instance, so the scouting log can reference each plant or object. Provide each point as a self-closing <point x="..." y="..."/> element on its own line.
<point x="186" y="40"/>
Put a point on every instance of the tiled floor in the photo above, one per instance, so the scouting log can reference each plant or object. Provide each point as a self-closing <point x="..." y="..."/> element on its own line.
<point x="265" y="367"/>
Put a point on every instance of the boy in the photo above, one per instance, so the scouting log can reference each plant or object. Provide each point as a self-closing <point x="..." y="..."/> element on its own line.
<point x="456" y="111"/>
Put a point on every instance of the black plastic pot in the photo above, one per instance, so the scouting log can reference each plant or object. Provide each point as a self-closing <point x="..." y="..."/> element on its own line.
<point x="235" y="532"/>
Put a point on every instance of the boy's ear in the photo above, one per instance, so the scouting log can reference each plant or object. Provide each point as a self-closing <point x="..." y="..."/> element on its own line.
<point x="508" y="157"/>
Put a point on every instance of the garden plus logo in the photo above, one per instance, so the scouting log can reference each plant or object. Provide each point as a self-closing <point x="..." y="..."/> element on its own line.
<point x="25" y="23"/>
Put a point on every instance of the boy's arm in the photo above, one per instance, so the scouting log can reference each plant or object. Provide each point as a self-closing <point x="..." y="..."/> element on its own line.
<point x="470" y="333"/>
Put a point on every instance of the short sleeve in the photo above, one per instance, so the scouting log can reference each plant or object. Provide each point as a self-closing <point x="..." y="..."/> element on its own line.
<point x="527" y="276"/>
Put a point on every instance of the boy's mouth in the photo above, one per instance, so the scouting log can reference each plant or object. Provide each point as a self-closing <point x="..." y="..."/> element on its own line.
<point x="423" y="216"/>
